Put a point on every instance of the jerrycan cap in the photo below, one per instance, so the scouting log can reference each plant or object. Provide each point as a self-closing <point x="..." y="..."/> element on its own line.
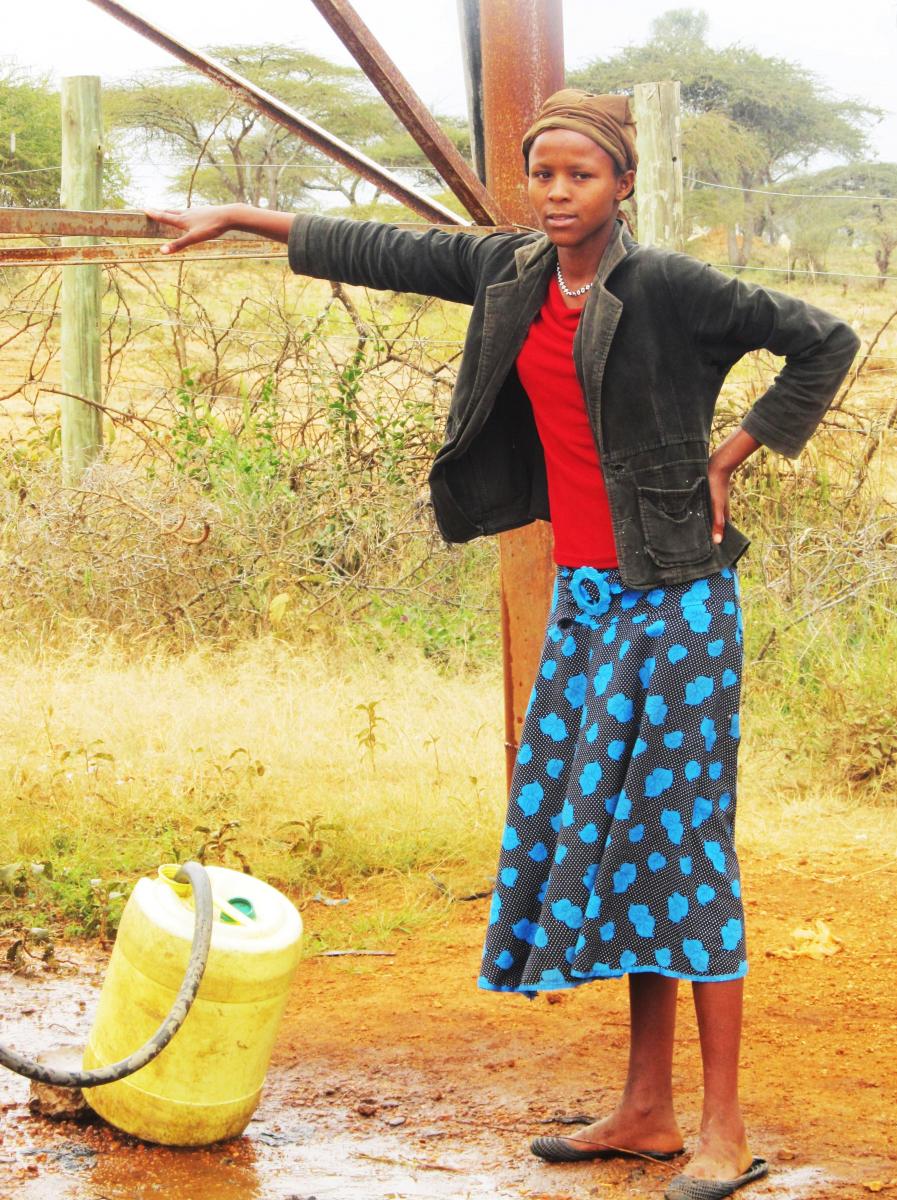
<point x="234" y="910"/>
<point x="242" y="905"/>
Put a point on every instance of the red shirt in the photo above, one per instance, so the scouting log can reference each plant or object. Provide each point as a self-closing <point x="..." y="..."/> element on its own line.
<point x="580" y="516"/>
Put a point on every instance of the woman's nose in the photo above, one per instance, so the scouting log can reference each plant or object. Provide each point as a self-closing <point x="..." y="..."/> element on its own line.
<point x="558" y="189"/>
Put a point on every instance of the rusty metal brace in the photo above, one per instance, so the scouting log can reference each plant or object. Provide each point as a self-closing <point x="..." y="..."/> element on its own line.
<point x="63" y="222"/>
<point x="283" y="114"/>
<point x="415" y="116"/>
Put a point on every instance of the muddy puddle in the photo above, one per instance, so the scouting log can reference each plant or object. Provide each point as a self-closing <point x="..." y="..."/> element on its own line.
<point x="392" y="1082"/>
<point x="289" y="1152"/>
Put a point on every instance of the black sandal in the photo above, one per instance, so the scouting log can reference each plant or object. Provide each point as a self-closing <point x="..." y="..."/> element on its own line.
<point x="558" y="1149"/>
<point x="686" y="1187"/>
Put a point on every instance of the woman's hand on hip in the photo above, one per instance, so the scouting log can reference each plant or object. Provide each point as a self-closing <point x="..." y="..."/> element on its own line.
<point x="719" y="481"/>
<point x="724" y="461"/>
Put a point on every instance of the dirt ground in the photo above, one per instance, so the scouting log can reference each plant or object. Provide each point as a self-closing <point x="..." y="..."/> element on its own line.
<point x="454" y="1081"/>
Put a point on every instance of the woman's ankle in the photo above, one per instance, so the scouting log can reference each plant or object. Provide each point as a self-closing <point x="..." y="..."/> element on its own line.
<point x="723" y="1126"/>
<point x="647" y="1104"/>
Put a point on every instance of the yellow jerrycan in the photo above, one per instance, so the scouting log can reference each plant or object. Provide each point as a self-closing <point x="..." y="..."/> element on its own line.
<point x="205" y="1085"/>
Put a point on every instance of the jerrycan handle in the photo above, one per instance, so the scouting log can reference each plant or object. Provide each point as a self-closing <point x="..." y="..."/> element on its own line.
<point x="223" y="908"/>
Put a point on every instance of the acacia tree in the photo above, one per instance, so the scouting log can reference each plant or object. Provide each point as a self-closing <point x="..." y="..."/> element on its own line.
<point x="29" y="140"/>
<point x="857" y="201"/>
<point x="228" y="152"/>
<point x="749" y="119"/>
<point x="31" y="144"/>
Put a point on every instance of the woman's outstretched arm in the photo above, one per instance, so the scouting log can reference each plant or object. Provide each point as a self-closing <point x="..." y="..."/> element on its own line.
<point x="374" y="254"/>
<point x="210" y="221"/>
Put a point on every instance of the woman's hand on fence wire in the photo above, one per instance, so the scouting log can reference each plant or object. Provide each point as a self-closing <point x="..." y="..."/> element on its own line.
<point x="199" y="224"/>
<point x="210" y="221"/>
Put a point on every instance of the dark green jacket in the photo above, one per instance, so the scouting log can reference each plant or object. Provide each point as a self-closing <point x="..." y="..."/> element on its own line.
<point x="657" y="337"/>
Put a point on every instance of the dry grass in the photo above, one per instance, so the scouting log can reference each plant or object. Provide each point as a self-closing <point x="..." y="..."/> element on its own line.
<point x="263" y="737"/>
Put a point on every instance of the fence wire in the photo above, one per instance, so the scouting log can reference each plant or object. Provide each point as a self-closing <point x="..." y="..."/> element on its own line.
<point x="730" y="187"/>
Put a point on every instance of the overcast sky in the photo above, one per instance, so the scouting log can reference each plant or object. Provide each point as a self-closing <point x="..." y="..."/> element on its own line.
<point x="851" y="47"/>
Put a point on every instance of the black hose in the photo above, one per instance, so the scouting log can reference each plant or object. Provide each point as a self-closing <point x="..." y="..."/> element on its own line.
<point x="198" y="879"/>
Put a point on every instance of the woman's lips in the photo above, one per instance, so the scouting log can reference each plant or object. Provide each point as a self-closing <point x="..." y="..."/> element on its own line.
<point x="559" y="219"/>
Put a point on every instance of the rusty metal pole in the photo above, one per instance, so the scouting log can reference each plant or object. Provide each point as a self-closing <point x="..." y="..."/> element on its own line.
<point x="522" y="44"/>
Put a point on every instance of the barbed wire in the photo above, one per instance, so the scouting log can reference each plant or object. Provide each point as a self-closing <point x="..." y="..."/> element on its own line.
<point x="350" y="336"/>
<point x="48" y="386"/>
<point x="304" y="166"/>
<point x="310" y="167"/>
<point x="29" y="171"/>
<point x="242" y="334"/>
<point x="721" y="267"/>
<point x="164" y="390"/>
<point x="802" y="271"/>
<point x="426" y="168"/>
<point x="731" y="187"/>
<point x="813" y="274"/>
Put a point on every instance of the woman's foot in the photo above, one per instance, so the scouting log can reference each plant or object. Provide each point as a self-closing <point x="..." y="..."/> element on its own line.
<point x="631" y="1132"/>
<point x="721" y="1153"/>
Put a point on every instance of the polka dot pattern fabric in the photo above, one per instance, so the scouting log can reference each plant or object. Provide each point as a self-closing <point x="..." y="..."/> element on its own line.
<point x="618" y="853"/>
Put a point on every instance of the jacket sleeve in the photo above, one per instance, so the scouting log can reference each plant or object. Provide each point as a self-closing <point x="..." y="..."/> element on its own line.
<point x="727" y="318"/>
<point x="378" y="255"/>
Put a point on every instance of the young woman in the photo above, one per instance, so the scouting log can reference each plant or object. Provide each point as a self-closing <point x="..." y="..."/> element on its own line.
<point x="585" y="395"/>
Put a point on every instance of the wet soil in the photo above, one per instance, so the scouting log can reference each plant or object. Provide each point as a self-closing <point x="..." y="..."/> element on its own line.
<point x="395" y="1078"/>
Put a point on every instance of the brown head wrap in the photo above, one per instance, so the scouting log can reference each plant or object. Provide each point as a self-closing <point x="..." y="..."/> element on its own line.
<point x="607" y="120"/>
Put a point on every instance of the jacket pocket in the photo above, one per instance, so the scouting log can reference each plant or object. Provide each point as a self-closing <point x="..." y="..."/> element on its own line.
<point x="676" y="523"/>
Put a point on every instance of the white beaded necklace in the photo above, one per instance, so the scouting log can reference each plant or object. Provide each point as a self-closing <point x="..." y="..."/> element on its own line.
<point x="568" y="291"/>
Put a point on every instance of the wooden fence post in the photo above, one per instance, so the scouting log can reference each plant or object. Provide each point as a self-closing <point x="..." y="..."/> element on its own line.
<point x="82" y="188"/>
<point x="658" y="184"/>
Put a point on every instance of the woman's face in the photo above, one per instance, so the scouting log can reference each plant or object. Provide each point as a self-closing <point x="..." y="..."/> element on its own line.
<point x="574" y="188"/>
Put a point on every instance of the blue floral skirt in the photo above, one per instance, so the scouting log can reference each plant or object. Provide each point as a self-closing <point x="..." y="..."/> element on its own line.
<point x="618" y="853"/>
